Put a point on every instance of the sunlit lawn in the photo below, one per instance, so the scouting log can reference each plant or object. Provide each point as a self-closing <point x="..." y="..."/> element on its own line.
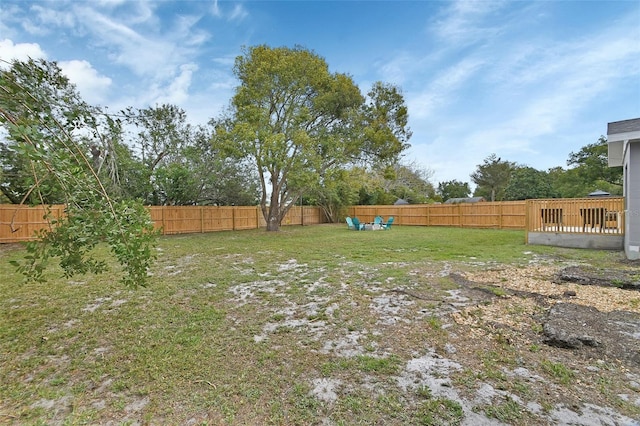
<point x="192" y="346"/>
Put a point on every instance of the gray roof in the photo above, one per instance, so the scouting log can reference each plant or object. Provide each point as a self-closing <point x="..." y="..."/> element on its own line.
<point x="624" y="126"/>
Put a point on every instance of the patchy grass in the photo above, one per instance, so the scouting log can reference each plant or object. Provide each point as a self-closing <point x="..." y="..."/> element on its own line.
<point x="304" y="326"/>
<point x="559" y="372"/>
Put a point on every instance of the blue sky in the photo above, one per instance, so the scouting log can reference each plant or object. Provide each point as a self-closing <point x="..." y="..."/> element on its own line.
<point x="528" y="81"/>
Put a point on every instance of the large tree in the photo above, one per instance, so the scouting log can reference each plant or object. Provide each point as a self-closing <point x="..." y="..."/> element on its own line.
<point x="491" y="177"/>
<point x="47" y="126"/>
<point x="297" y="122"/>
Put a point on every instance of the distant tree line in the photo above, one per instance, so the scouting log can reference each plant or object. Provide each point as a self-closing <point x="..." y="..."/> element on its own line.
<point x="501" y="180"/>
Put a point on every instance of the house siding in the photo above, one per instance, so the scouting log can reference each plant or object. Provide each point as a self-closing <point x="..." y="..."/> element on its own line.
<point x="632" y="196"/>
<point x="624" y="150"/>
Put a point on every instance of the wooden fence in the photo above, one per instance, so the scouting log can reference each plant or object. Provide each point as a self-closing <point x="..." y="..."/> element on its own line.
<point x="18" y="223"/>
<point x="497" y="215"/>
<point x="580" y="215"/>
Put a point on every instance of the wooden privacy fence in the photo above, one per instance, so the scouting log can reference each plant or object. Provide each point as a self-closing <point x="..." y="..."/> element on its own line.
<point x="601" y="215"/>
<point x="498" y="215"/>
<point x="18" y="223"/>
<point x="581" y="215"/>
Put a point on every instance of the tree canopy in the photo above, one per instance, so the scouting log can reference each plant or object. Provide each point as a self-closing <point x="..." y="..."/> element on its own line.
<point x="592" y="167"/>
<point x="298" y="123"/>
<point x="528" y="183"/>
<point x="492" y="177"/>
<point x="453" y="189"/>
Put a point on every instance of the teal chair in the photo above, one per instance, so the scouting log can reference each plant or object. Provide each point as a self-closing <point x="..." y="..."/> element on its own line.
<point x="350" y="224"/>
<point x="387" y="225"/>
<point x="378" y="220"/>
<point x="357" y="225"/>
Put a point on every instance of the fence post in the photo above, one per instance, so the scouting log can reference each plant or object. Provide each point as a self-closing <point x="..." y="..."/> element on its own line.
<point x="527" y="206"/>
<point x="164" y="225"/>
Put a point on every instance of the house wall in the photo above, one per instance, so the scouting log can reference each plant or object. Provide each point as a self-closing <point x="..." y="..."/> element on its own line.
<point x="632" y="197"/>
<point x="624" y="150"/>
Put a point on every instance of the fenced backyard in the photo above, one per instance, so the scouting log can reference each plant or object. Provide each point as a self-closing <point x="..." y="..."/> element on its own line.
<point x="548" y="221"/>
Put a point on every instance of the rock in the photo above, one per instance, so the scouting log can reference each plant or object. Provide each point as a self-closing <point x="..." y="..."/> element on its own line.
<point x="578" y="327"/>
<point x="588" y="275"/>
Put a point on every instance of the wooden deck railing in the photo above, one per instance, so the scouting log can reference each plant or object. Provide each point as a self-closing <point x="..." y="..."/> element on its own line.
<point x="603" y="215"/>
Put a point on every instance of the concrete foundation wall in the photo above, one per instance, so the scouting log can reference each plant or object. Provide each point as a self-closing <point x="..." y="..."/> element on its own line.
<point x="598" y="242"/>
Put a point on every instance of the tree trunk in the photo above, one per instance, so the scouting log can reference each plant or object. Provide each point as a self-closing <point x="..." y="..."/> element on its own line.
<point x="273" y="213"/>
<point x="273" y="220"/>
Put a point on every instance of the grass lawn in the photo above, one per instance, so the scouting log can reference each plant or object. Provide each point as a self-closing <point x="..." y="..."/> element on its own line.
<point x="303" y="326"/>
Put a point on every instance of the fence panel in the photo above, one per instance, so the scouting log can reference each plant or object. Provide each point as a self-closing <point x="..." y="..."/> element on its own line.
<point x="412" y="215"/>
<point x="444" y="215"/>
<point x="180" y="220"/>
<point x="513" y="215"/>
<point x="247" y="218"/>
<point x="479" y="215"/>
<point x="19" y="223"/>
<point x="156" y="213"/>
<point x="503" y="215"/>
<point x="217" y="218"/>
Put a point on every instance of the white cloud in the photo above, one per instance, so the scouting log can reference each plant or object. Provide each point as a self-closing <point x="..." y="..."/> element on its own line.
<point x="46" y="17"/>
<point x="215" y="9"/>
<point x="528" y="98"/>
<point x="143" y="12"/>
<point x="150" y="56"/>
<point x="463" y="23"/>
<point x="92" y="87"/>
<point x="178" y="90"/>
<point x="444" y="89"/>
<point x="238" y="13"/>
<point x="21" y="52"/>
